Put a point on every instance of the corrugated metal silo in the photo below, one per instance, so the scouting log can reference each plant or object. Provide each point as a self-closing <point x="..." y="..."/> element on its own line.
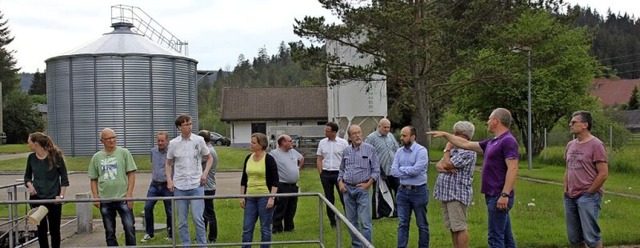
<point x="122" y="81"/>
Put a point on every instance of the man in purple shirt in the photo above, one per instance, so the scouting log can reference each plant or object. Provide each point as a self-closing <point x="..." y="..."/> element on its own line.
<point x="499" y="171"/>
<point x="587" y="170"/>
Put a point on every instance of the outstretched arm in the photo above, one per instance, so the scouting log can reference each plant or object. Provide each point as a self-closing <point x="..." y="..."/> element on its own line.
<point x="457" y="141"/>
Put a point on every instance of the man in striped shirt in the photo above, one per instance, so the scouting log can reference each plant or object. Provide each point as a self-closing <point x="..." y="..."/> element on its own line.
<point x="359" y="169"/>
<point x="386" y="146"/>
<point x="453" y="186"/>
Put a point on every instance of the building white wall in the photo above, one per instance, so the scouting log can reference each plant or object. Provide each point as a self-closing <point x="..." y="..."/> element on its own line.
<point x="241" y="130"/>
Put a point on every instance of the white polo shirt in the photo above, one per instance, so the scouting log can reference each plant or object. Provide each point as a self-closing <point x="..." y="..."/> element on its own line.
<point x="331" y="152"/>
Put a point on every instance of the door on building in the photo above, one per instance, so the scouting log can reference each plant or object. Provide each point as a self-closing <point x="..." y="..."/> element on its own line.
<point x="259" y="128"/>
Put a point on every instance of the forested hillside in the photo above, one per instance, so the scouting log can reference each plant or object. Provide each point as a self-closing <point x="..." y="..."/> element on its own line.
<point x="617" y="40"/>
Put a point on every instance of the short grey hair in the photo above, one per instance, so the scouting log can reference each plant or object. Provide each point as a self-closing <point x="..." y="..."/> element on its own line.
<point x="503" y="115"/>
<point x="464" y="127"/>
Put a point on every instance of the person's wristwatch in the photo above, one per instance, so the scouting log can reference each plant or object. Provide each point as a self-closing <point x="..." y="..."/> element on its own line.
<point x="446" y="150"/>
<point x="503" y="194"/>
<point x="61" y="196"/>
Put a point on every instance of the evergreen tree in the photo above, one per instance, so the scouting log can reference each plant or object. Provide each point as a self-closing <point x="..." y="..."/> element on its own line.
<point x="38" y="84"/>
<point x="8" y="71"/>
<point x="633" y="101"/>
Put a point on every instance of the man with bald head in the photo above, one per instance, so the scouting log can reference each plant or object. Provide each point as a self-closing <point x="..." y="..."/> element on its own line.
<point x="290" y="163"/>
<point x="499" y="171"/>
<point x="386" y="189"/>
<point x="112" y="173"/>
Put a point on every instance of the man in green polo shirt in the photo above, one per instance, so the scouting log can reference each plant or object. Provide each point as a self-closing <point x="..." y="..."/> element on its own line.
<point x="112" y="173"/>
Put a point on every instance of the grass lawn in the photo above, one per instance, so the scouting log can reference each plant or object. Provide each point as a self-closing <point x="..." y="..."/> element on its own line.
<point x="14" y="148"/>
<point x="229" y="159"/>
<point x="541" y="225"/>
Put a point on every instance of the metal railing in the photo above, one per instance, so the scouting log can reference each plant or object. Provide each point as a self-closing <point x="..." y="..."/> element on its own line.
<point x="322" y="201"/>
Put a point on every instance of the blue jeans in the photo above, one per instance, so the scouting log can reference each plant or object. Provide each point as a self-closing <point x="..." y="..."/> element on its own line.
<point x="157" y="190"/>
<point x="108" y="211"/>
<point x="197" y="211"/>
<point x="254" y="208"/>
<point x="416" y="200"/>
<point x="500" y="234"/>
<point x="358" y="210"/>
<point x="582" y="218"/>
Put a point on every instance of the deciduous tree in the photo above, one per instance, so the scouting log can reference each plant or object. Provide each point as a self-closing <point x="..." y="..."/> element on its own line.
<point x="562" y="71"/>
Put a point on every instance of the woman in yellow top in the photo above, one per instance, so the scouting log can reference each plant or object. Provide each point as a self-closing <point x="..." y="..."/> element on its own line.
<point x="259" y="176"/>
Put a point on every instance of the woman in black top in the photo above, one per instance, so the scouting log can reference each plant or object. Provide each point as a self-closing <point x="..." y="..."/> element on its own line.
<point x="46" y="178"/>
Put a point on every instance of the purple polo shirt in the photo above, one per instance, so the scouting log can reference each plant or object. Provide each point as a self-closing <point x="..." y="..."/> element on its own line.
<point x="494" y="167"/>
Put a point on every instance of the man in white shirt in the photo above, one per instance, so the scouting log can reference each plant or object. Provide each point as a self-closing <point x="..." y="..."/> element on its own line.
<point x="185" y="154"/>
<point x="328" y="162"/>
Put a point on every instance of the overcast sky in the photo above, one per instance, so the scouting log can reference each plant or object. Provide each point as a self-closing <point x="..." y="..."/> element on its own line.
<point x="217" y="30"/>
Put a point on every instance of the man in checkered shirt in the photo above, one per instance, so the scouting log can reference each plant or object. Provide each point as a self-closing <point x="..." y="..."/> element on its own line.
<point x="453" y="186"/>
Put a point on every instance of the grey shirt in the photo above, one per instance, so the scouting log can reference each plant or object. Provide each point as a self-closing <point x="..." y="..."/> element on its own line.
<point x="288" y="171"/>
<point x="386" y="146"/>
<point x="211" y="177"/>
<point x="158" y="160"/>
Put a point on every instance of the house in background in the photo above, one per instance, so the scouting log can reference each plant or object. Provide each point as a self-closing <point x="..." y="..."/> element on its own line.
<point x="613" y="92"/>
<point x="252" y="110"/>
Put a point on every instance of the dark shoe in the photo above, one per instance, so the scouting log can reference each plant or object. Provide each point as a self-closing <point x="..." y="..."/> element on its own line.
<point x="333" y="225"/>
<point x="289" y="230"/>
<point x="274" y="231"/>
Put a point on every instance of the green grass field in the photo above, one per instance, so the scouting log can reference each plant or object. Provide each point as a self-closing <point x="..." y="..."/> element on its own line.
<point x="14" y="148"/>
<point x="541" y="225"/>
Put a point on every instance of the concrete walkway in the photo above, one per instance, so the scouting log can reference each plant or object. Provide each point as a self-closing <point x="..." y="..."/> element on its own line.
<point x="227" y="183"/>
<point x="14" y="156"/>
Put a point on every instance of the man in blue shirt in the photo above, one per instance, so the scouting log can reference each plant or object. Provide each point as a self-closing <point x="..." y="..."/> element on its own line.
<point x="359" y="169"/>
<point x="410" y="165"/>
<point x="158" y="186"/>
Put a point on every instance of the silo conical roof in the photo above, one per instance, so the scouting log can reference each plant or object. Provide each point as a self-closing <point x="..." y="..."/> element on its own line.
<point x="121" y="41"/>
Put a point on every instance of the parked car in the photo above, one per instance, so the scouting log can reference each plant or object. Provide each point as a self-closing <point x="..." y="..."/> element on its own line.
<point x="219" y="140"/>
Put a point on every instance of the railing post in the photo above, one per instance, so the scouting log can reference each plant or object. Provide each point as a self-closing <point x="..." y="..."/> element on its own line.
<point x="321" y="220"/>
<point x="11" y="215"/>
<point x="84" y="214"/>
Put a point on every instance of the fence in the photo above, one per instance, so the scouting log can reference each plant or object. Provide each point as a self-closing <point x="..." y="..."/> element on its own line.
<point x="14" y="220"/>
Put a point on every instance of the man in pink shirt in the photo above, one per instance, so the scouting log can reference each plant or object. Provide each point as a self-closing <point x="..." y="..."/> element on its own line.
<point x="587" y="170"/>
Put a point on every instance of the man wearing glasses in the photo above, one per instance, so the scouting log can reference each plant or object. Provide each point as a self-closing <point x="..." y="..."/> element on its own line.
<point x="185" y="155"/>
<point x="112" y="173"/>
<point x="587" y="170"/>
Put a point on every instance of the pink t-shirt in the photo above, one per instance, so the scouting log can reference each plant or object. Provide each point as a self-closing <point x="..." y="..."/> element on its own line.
<point x="581" y="165"/>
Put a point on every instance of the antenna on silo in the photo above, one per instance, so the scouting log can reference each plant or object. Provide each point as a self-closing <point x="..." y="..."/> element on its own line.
<point x="145" y="25"/>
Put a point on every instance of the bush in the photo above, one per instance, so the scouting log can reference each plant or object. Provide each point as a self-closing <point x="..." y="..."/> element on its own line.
<point x="21" y="118"/>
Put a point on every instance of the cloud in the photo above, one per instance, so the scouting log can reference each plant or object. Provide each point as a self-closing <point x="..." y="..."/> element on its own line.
<point x="217" y="31"/>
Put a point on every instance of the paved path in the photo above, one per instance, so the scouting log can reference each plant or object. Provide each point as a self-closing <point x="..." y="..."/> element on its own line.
<point x="14" y="156"/>
<point x="227" y="183"/>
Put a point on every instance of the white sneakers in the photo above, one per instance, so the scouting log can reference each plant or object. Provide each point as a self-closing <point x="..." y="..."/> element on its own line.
<point x="146" y="238"/>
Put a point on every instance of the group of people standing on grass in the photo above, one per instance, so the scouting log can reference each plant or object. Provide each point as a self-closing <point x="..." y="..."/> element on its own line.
<point x="400" y="174"/>
<point x="186" y="166"/>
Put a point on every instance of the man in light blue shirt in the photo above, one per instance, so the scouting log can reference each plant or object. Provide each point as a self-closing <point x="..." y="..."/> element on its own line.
<point x="358" y="170"/>
<point x="410" y="165"/>
<point x="386" y="189"/>
<point x="158" y="187"/>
